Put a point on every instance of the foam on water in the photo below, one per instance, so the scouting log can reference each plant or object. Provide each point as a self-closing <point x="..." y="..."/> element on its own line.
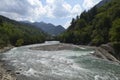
<point x="30" y="72"/>
<point x="57" y="64"/>
<point x="105" y="77"/>
<point x="52" y="42"/>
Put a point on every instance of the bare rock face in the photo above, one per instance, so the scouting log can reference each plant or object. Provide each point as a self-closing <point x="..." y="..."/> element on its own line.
<point x="6" y="48"/>
<point x="108" y="48"/>
<point x="4" y="75"/>
<point x="105" y="51"/>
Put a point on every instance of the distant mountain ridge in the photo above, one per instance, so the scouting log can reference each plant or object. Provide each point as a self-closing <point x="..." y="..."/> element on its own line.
<point x="102" y="3"/>
<point x="49" y="28"/>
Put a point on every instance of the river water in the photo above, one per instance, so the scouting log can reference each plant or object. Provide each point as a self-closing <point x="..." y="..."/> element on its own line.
<point x="60" y="65"/>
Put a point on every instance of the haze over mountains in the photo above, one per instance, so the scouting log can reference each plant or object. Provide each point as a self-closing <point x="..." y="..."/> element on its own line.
<point x="99" y="25"/>
<point x="48" y="28"/>
<point x="102" y="3"/>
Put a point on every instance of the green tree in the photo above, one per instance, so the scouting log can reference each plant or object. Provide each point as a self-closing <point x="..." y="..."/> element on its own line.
<point x="80" y="24"/>
<point x="19" y="42"/>
<point x="115" y="31"/>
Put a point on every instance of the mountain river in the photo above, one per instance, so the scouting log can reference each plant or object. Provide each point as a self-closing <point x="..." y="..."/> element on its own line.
<point x="77" y="64"/>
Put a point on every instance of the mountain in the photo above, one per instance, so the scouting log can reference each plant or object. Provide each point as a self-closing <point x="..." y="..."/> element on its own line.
<point x="17" y="34"/>
<point x="49" y="28"/>
<point x="99" y="25"/>
<point x="95" y="26"/>
<point x="25" y="22"/>
<point x="102" y="3"/>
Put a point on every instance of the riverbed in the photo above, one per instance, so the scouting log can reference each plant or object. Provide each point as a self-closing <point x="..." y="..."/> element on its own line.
<point x="76" y="63"/>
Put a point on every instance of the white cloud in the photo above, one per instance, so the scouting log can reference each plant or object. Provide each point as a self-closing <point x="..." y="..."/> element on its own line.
<point x="22" y="10"/>
<point x="96" y="1"/>
<point x="57" y="8"/>
<point x="76" y="10"/>
<point x="87" y="4"/>
<point x="34" y="10"/>
<point x="67" y="24"/>
<point x="50" y="1"/>
<point x="67" y="6"/>
<point x="61" y="9"/>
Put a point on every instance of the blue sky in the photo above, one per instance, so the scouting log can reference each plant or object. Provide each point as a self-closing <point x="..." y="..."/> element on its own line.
<point x="57" y="12"/>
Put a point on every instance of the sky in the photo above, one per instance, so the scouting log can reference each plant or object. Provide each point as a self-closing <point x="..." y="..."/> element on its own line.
<point x="57" y="12"/>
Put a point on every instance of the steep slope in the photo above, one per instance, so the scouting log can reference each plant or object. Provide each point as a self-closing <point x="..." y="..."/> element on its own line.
<point x="102" y="3"/>
<point x="15" y="33"/>
<point x="100" y="25"/>
<point x="49" y="28"/>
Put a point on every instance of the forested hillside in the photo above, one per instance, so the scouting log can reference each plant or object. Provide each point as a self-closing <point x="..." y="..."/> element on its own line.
<point x="99" y="25"/>
<point x="96" y="26"/>
<point x="17" y="34"/>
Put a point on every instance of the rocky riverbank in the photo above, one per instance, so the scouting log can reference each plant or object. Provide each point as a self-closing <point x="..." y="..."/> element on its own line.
<point x="6" y="48"/>
<point x="4" y="73"/>
<point x="103" y="52"/>
<point x="55" y="47"/>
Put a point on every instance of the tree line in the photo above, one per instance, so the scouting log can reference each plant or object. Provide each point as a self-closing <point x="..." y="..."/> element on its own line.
<point x="17" y="34"/>
<point x="99" y="25"/>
